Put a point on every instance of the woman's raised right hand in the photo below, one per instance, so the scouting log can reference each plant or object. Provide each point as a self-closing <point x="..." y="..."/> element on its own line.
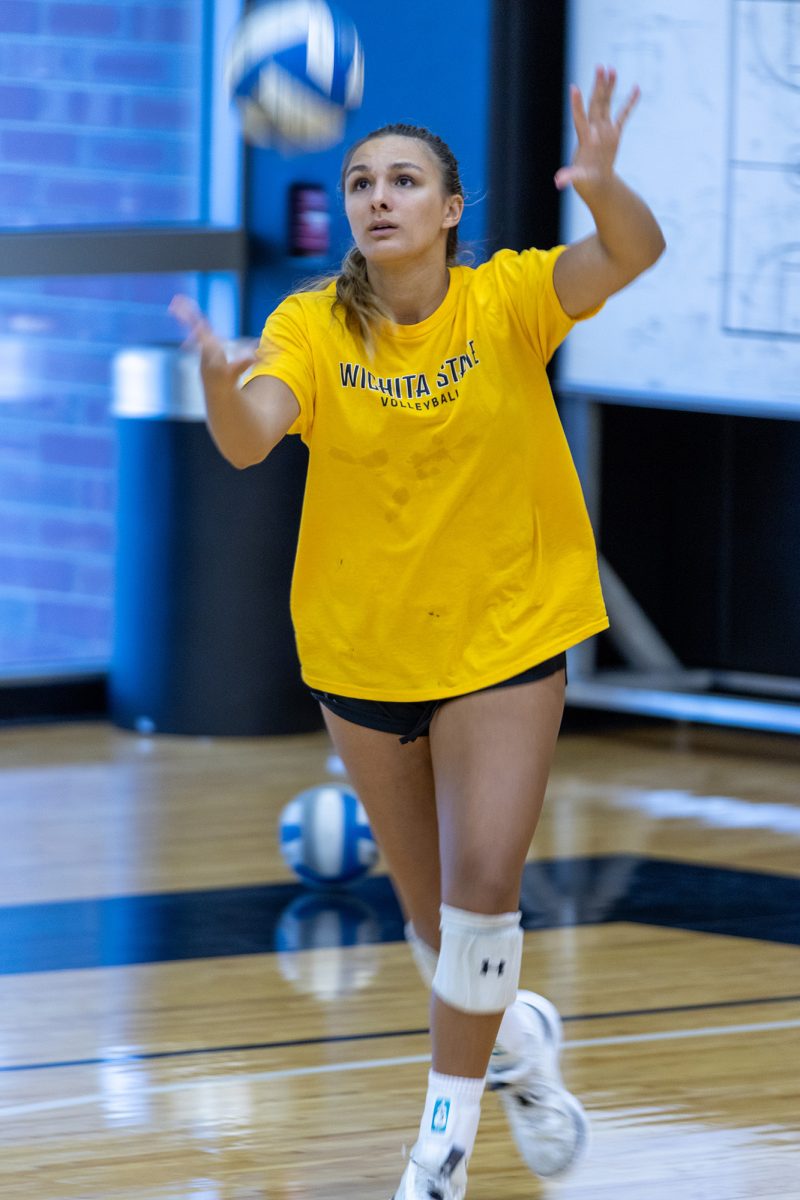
<point x="217" y="370"/>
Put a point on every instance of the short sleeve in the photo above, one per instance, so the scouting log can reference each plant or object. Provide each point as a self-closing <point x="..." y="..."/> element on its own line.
<point x="285" y="352"/>
<point x="525" y="280"/>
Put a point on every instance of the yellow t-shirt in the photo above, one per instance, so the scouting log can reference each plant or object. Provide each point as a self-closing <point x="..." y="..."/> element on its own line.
<point x="444" y="543"/>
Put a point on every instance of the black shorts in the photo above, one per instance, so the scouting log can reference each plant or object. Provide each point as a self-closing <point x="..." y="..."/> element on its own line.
<point x="411" y="719"/>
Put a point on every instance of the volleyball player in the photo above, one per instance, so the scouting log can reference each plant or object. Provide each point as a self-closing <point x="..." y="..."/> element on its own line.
<point x="445" y="564"/>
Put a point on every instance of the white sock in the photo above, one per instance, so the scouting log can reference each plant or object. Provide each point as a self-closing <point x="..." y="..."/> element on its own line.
<point x="451" y="1116"/>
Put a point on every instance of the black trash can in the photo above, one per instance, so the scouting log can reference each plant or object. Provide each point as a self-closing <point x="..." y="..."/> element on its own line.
<point x="203" y="642"/>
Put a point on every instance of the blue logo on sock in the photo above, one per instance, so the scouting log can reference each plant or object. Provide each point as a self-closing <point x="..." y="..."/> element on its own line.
<point x="441" y="1115"/>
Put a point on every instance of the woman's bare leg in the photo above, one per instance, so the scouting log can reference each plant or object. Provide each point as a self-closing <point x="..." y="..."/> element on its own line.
<point x="454" y="816"/>
<point x="395" y="784"/>
<point x="491" y="755"/>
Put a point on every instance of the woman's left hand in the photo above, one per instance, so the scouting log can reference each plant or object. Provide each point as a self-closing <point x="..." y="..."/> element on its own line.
<point x="598" y="135"/>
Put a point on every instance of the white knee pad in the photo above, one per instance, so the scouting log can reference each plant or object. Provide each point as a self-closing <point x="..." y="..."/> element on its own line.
<point x="425" y="956"/>
<point x="480" y="959"/>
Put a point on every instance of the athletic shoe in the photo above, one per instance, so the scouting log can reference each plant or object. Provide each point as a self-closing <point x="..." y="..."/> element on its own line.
<point x="549" y="1125"/>
<point x="447" y="1182"/>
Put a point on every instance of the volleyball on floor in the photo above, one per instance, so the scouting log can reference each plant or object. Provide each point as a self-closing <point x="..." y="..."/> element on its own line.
<point x="325" y="838"/>
<point x="294" y="69"/>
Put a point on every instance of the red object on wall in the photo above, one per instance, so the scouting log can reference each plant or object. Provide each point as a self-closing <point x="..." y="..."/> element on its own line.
<point x="309" y="220"/>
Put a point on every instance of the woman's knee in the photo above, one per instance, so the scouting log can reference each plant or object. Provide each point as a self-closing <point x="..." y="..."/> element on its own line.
<point x="482" y="886"/>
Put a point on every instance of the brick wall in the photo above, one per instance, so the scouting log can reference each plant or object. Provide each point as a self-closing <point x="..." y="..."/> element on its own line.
<point x="99" y="123"/>
<point x="58" y="453"/>
<point x="99" y="112"/>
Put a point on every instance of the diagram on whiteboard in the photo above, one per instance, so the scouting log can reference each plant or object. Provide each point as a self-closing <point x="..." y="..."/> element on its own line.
<point x="762" y="268"/>
<point x="714" y="149"/>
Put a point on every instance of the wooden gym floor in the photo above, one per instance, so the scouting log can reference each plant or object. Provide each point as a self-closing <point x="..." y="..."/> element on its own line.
<point x="181" y="1021"/>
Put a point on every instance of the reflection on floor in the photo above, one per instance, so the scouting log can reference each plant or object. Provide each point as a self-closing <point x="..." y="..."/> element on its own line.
<point x="122" y="930"/>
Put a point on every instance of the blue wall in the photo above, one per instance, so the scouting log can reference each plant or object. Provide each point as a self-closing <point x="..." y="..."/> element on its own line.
<point x="427" y="64"/>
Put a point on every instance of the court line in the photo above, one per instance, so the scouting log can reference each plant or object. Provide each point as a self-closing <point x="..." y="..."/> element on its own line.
<point x="680" y="1008"/>
<point x="157" y="1089"/>
<point x="251" y="1047"/>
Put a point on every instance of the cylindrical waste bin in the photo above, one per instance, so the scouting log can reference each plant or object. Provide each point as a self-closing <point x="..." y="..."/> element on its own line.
<point x="203" y="642"/>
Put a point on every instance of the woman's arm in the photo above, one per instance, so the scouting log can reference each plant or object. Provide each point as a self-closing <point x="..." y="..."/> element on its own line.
<point x="628" y="239"/>
<point x="246" y="423"/>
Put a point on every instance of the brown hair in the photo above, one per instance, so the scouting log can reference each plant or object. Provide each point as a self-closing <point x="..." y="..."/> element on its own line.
<point x="363" y="311"/>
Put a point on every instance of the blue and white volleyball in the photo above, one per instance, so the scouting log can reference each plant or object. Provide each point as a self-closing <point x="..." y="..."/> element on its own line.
<point x="325" y="838"/>
<point x="295" y="68"/>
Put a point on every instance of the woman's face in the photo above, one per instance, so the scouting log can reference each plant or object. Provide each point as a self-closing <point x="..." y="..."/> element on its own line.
<point x="395" y="201"/>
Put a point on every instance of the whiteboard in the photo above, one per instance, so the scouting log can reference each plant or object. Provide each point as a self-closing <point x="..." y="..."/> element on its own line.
<point x="714" y="148"/>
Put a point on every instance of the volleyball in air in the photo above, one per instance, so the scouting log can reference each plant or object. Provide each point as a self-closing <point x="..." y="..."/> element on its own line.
<point x="325" y="838"/>
<point x="294" y="69"/>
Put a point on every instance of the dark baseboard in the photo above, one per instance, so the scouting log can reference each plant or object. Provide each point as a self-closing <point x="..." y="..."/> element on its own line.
<point x="62" y="698"/>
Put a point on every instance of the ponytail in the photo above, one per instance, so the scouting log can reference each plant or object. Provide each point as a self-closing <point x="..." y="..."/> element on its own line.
<point x="363" y="311"/>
